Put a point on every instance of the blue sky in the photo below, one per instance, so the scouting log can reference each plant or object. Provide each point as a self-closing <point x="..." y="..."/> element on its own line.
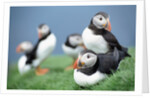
<point x="64" y="20"/>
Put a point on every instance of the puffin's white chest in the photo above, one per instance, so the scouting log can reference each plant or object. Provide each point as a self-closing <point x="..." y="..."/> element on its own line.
<point x="44" y="49"/>
<point x="94" y="42"/>
<point x="87" y="80"/>
<point x="72" y="52"/>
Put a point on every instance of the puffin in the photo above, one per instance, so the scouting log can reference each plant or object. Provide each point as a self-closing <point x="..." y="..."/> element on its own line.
<point x="98" y="37"/>
<point x="25" y="47"/>
<point x="91" y="68"/>
<point x="72" y="47"/>
<point x="42" y="49"/>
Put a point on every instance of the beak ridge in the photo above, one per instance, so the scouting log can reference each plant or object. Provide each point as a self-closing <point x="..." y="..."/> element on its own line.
<point x="39" y="34"/>
<point x="18" y="49"/>
<point x="109" y="26"/>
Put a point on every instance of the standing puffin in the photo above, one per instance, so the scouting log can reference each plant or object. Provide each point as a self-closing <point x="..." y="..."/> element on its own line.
<point x="92" y="68"/>
<point x="97" y="36"/>
<point x="73" y="46"/>
<point x="42" y="49"/>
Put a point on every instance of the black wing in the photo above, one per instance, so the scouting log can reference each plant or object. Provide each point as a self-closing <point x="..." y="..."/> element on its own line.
<point x="111" y="39"/>
<point x="32" y="55"/>
<point x="113" y="42"/>
<point x="107" y="63"/>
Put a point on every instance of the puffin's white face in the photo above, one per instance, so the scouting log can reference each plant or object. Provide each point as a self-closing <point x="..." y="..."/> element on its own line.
<point x="100" y="21"/>
<point x="75" y="40"/>
<point x="43" y="30"/>
<point x="87" y="60"/>
<point x="24" y="47"/>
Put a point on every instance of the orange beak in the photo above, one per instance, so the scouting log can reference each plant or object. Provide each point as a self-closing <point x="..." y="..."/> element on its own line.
<point x="83" y="45"/>
<point x="18" y="49"/>
<point x="40" y="35"/>
<point x="75" y="65"/>
<point x="109" y="26"/>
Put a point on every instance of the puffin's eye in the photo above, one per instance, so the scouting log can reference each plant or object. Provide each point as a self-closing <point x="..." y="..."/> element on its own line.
<point x="88" y="56"/>
<point x="101" y="18"/>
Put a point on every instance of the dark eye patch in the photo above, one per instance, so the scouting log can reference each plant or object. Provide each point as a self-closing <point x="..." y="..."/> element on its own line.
<point x="101" y="18"/>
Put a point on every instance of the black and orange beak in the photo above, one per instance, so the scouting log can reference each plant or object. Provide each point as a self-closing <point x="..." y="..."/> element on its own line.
<point x="109" y="26"/>
<point x="75" y="65"/>
<point x="78" y="64"/>
<point x="19" y="49"/>
<point x="81" y="64"/>
<point x="39" y="35"/>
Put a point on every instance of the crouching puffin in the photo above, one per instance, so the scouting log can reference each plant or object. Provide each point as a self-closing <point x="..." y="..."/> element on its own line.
<point x="91" y="68"/>
<point x="73" y="46"/>
<point x="25" y="47"/>
<point x="41" y="50"/>
<point x="98" y="37"/>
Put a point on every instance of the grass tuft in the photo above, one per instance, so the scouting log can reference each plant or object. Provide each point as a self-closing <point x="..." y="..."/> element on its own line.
<point x="58" y="79"/>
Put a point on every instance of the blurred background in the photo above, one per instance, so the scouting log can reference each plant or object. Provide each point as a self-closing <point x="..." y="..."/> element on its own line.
<point x="64" y="20"/>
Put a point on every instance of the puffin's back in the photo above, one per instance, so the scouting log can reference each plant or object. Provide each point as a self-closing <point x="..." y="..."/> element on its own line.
<point x="110" y="61"/>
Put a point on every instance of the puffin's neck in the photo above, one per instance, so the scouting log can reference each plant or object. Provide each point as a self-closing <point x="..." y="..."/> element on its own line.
<point x="91" y="70"/>
<point x="27" y="53"/>
<point x="67" y="43"/>
<point x="96" y="30"/>
<point x="44" y="37"/>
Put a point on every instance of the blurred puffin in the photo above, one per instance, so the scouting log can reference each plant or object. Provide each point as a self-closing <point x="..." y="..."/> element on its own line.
<point x="73" y="46"/>
<point x="91" y="68"/>
<point x="25" y="47"/>
<point x="41" y="50"/>
<point x="98" y="37"/>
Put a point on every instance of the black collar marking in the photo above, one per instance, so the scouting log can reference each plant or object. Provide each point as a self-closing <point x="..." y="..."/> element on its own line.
<point x="32" y="55"/>
<point x="91" y="70"/>
<point x="96" y="30"/>
<point x="67" y="43"/>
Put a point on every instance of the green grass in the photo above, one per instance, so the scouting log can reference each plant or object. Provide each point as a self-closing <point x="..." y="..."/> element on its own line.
<point x="58" y="79"/>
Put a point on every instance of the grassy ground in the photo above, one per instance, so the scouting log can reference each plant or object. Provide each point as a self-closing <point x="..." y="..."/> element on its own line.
<point x="58" y="79"/>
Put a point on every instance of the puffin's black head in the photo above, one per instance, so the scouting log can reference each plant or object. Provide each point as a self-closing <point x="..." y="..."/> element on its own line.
<point x="43" y="30"/>
<point x="101" y="20"/>
<point x="74" y="40"/>
<point x="86" y="59"/>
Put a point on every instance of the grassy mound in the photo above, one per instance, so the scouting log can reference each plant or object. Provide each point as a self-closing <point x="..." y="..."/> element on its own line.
<point x="58" y="79"/>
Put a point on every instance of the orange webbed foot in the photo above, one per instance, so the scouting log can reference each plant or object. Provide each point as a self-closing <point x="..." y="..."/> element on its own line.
<point x="40" y="71"/>
<point x="69" y="67"/>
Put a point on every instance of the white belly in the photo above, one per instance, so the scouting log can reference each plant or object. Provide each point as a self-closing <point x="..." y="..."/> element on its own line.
<point x="72" y="52"/>
<point x="22" y="67"/>
<point x="87" y="80"/>
<point x="44" y="50"/>
<point x="93" y="42"/>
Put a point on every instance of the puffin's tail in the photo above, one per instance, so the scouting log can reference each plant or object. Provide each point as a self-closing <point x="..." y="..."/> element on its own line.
<point x="126" y="51"/>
